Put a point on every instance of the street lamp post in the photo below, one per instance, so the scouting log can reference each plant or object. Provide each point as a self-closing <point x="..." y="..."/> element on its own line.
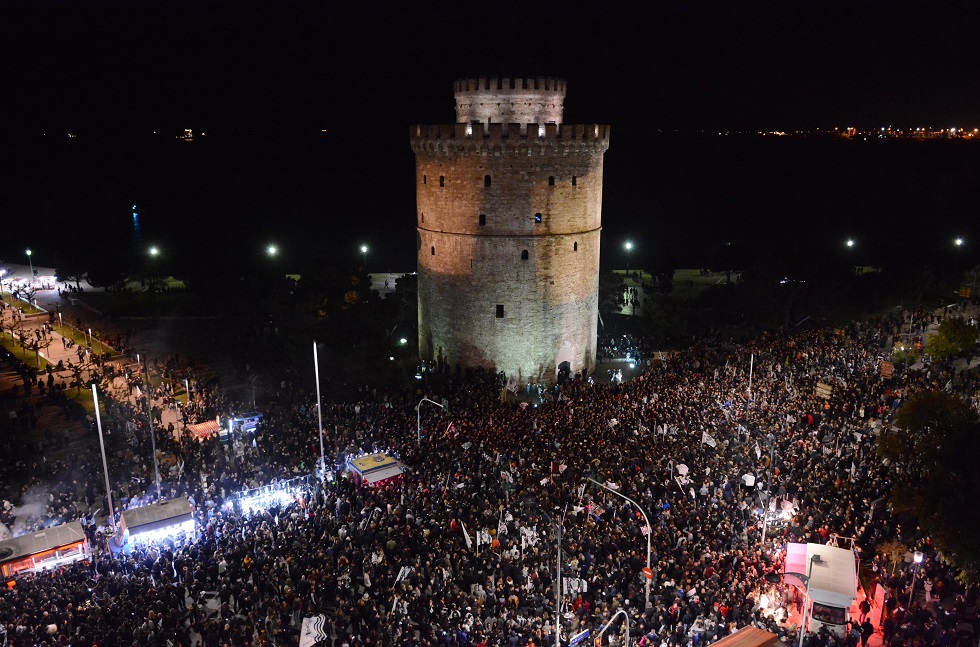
<point x="646" y="520"/>
<point x="765" y="508"/>
<point x="558" y="578"/>
<point x="418" y="415"/>
<point x="31" y="262"/>
<point x="153" y="435"/>
<point x="917" y="558"/>
<point x="806" y="602"/>
<point x="609" y="624"/>
<point x="319" y="413"/>
<point x="105" y="468"/>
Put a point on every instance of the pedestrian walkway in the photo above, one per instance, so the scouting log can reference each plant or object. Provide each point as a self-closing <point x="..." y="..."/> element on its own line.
<point x="61" y="348"/>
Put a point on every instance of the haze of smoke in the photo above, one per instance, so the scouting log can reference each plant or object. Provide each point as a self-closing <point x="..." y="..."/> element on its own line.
<point x="33" y="504"/>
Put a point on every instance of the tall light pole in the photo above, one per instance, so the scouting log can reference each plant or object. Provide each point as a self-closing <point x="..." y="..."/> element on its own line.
<point x="917" y="558"/>
<point x="319" y="412"/>
<point x="765" y="507"/>
<point x="418" y="415"/>
<point x="153" y="435"/>
<point x="649" y="532"/>
<point x="364" y="251"/>
<point x="806" y="602"/>
<point x="628" y="246"/>
<point x="609" y="624"/>
<point x="31" y="262"/>
<point x="558" y="578"/>
<point x="105" y="468"/>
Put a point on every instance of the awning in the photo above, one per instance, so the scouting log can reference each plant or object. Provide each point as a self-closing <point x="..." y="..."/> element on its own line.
<point x="41" y="541"/>
<point x="204" y="429"/>
<point x="156" y="516"/>
<point x="749" y="637"/>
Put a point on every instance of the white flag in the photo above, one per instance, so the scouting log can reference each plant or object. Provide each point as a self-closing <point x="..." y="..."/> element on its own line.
<point x="708" y="438"/>
<point x="758" y="452"/>
<point x="314" y="632"/>
<point x="466" y="535"/>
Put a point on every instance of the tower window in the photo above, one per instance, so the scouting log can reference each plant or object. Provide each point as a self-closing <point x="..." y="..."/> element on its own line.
<point x="524" y="255"/>
<point x="442" y="180"/>
<point x="486" y="181"/>
<point x="483" y="220"/>
<point x="574" y="181"/>
<point x="425" y="179"/>
<point x="423" y="216"/>
<point x="551" y="180"/>
<point x="500" y="311"/>
<point x="538" y="219"/>
<point x="432" y="250"/>
<point x="575" y="247"/>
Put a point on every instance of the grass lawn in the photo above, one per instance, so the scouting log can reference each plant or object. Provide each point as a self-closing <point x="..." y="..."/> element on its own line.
<point x="26" y="356"/>
<point x="80" y="337"/>
<point x="17" y="303"/>
<point x="83" y="396"/>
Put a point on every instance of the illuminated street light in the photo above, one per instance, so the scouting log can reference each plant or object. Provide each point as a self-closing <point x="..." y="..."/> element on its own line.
<point x="31" y="261"/>
<point x="850" y="242"/>
<point x="154" y="251"/>
<point x="271" y="250"/>
<point x="402" y="341"/>
<point x="958" y="242"/>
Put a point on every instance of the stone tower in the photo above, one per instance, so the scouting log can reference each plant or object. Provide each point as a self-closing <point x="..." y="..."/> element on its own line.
<point x="509" y="216"/>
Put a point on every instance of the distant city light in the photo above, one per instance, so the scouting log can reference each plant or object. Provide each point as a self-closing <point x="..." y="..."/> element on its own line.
<point x="628" y="245"/>
<point x="364" y="249"/>
<point x="402" y="341"/>
<point x="850" y="242"/>
<point x="958" y="242"/>
<point x="154" y="251"/>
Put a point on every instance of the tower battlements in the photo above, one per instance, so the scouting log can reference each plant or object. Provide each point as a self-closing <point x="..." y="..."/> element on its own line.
<point x="504" y="100"/>
<point x="505" y="85"/>
<point x="458" y="137"/>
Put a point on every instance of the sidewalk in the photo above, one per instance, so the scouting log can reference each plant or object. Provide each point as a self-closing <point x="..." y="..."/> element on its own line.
<point x="59" y="351"/>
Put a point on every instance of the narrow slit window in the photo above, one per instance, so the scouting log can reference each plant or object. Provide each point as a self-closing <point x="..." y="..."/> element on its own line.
<point x="575" y="247"/>
<point x="442" y="180"/>
<point x="524" y="255"/>
<point x="487" y="181"/>
<point x="432" y="250"/>
<point x="538" y="219"/>
<point x="483" y="220"/>
<point x="425" y="180"/>
<point x="574" y="181"/>
<point x="551" y="180"/>
<point x="500" y="311"/>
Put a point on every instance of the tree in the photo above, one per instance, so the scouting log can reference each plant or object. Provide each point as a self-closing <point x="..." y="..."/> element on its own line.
<point x="612" y="297"/>
<point x="933" y="454"/>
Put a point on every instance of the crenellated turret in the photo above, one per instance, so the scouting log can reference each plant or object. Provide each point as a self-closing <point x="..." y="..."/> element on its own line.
<point x="505" y="100"/>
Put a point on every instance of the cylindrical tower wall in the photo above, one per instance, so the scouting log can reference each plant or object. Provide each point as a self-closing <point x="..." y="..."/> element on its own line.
<point x="509" y="227"/>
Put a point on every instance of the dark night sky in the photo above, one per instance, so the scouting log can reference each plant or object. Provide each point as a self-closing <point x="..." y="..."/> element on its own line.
<point x="263" y="79"/>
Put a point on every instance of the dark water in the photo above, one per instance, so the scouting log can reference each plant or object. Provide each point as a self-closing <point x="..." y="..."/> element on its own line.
<point x="321" y="195"/>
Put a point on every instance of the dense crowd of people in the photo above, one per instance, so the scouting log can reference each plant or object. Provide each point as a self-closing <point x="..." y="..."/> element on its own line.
<point x="461" y="550"/>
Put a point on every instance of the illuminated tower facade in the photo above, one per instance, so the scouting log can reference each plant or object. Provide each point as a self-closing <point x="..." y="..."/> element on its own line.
<point x="509" y="216"/>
